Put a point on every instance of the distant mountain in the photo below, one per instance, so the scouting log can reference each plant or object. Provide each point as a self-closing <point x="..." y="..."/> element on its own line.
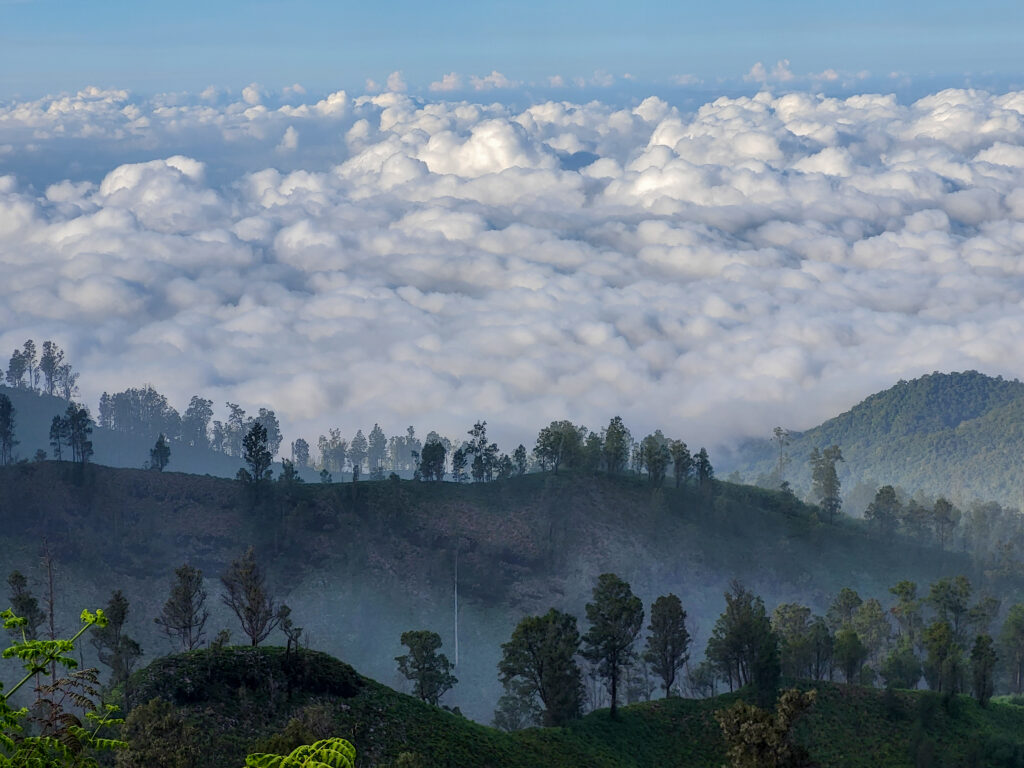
<point x="34" y="412"/>
<point x="960" y="435"/>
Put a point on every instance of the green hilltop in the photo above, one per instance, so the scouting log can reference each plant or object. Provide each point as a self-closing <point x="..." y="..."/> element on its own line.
<point x="209" y="708"/>
<point x="958" y="435"/>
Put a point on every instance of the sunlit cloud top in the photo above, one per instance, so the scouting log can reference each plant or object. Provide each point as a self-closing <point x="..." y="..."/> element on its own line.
<point x="349" y="260"/>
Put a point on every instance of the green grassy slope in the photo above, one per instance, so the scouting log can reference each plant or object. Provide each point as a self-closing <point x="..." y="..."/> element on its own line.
<point x="237" y="698"/>
<point x="956" y="434"/>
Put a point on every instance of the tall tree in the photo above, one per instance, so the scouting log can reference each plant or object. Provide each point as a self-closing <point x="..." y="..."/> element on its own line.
<point x="668" y="645"/>
<point x="377" y="452"/>
<point x="25" y="605"/>
<point x="850" y="654"/>
<point x="429" y="670"/>
<point x="256" y="454"/>
<point x="951" y="600"/>
<point x="943" y="665"/>
<point x="357" y="450"/>
<point x="616" y="616"/>
<point x="160" y="454"/>
<point x="825" y="480"/>
<point x="946" y="517"/>
<point x="983" y="666"/>
<point x="16" y="370"/>
<point x="78" y="429"/>
<point x="459" y="465"/>
<point x="184" y="614"/>
<point x="432" y="461"/>
<point x="705" y="472"/>
<point x="617" y="443"/>
<point x="247" y="596"/>
<point x="791" y="622"/>
<point x="781" y="438"/>
<point x="519" y="459"/>
<point x="58" y="436"/>
<point x="907" y="611"/>
<point x="300" y="453"/>
<point x="682" y="461"/>
<point x="885" y="511"/>
<point x="268" y="420"/>
<point x="656" y="457"/>
<point x="743" y="646"/>
<point x="840" y="614"/>
<point x="49" y="365"/>
<point x="7" y="441"/>
<point x="539" y="660"/>
<point x="115" y="648"/>
<point x="195" y="423"/>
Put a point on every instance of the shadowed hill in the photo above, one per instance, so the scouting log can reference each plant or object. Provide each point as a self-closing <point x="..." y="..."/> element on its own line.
<point x="235" y="700"/>
<point x="955" y="434"/>
<point x="361" y="563"/>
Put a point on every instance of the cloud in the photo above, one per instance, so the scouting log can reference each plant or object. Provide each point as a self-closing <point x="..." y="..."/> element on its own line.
<point x="396" y="83"/>
<point x="450" y="82"/>
<point x="759" y="261"/>
<point x="780" y="73"/>
<point x="492" y="81"/>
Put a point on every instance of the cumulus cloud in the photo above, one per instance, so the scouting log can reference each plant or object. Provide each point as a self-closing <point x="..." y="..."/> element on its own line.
<point x="450" y="82"/>
<point x="491" y="81"/>
<point x="396" y="83"/>
<point x="760" y="261"/>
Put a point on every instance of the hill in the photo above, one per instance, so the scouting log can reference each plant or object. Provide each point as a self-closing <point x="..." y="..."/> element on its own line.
<point x="225" y="703"/>
<point x="954" y="434"/>
<point x="361" y="563"/>
<point x="34" y="412"/>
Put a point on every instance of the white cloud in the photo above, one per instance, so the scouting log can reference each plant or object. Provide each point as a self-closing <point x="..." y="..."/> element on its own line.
<point x="450" y="82"/>
<point x="762" y="260"/>
<point x="396" y="83"/>
<point x="491" y="81"/>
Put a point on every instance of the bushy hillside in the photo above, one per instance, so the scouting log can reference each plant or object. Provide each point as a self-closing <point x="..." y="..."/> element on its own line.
<point x="361" y="563"/>
<point x="958" y="434"/>
<point x="228" y="702"/>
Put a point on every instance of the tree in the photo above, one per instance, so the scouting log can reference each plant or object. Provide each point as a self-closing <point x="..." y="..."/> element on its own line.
<point x="270" y="423"/>
<point x="762" y="738"/>
<point x="946" y="517"/>
<point x="256" y="454"/>
<point x="195" y="423"/>
<point x="872" y="626"/>
<point x="850" y="654"/>
<point x="16" y="370"/>
<point x="825" y="480"/>
<point x="357" y="450"/>
<point x="669" y="642"/>
<point x="432" y="461"/>
<point x="617" y="441"/>
<point x="376" y="452"/>
<point x="7" y="441"/>
<point x="184" y="614"/>
<point x="115" y="648"/>
<point x="885" y="511"/>
<point x="25" y="605"/>
<point x="791" y="622"/>
<point x="1012" y="640"/>
<point x="983" y="664"/>
<point x="561" y="442"/>
<point x="519" y="459"/>
<point x="249" y="599"/>
<point x="907" y="611"/>
<point x="160" y="454"/>
<point x="429" y="670"/>
<point x="459" y="465"/>
<point x="705" y="472"/>
<point x="781" y="438"/>
<point x="840" y="614"/>
<point x="517" y="709"/>
<point x="58" y="436"/>
<point x="682" y="461"/>
<point x="943" y="664"/>
<point x="743" y="647"/>
<point x="951" y="600"/>
<point x="539" y="661"/>
<point x="616" y="616"/>
<point x="656" y="456"/>
<point x="75" y="427"/>
<point x="300" y="453"/>
<point x="901" y="668"/>
<point x="49" y="365"/>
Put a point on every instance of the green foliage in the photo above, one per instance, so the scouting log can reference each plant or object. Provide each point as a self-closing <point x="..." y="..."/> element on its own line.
<point x="983" y="665"/>
<point x="429" y="670"/>
<point x="760" y="738"/>
<point x="538" y="661"/>
<point x="743" y="647"/>
<point x="160" y="454"/>
<point x="247" y="596"/>
<point x="616" y="616"/>
<point x="326" y="753"/>
<point x="669" y="642"/>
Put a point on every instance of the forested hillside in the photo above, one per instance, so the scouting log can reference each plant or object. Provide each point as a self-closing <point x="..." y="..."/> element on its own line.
<point x="361" y="563"/>
<point x="960" y="435"/>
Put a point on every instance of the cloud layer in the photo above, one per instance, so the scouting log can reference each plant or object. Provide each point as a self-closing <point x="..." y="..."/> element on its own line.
<point x="762" y="261"/>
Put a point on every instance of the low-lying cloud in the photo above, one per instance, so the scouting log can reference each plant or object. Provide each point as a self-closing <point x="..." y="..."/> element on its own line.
<point x="765" y="260"/>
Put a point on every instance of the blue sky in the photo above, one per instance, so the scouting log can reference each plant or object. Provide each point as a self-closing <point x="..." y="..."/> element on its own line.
<point x="52" y="45"/>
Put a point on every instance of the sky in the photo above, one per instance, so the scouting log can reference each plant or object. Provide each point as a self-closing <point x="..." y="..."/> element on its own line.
<point x="779" y="211"/>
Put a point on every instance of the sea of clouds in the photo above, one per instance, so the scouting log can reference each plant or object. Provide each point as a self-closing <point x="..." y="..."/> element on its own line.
<point x="344" y="261"/>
